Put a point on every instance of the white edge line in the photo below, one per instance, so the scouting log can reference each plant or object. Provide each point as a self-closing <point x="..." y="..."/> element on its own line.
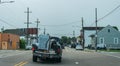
<point x="112" y="56"/>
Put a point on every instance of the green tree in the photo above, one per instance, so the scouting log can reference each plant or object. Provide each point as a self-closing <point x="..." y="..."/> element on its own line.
<point x="115" y="28"/>
<point x="64" y="39"/>
<point x="73" y="39"/>
<point x="22" y="43"/>
<point x="69" y="40"/>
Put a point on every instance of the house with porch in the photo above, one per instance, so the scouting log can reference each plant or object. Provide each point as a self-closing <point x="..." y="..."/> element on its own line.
<point x="108" y="36"/>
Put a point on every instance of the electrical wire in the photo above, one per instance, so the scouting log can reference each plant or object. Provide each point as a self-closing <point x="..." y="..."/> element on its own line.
<point x="7" y="23"/>
<point x="61" y="25"/>
<point x="9" y="20"/>
<point x="109" y="13"/>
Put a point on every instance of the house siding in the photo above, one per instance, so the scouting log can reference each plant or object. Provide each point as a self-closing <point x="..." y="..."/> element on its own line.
<point x="109" y="33"/>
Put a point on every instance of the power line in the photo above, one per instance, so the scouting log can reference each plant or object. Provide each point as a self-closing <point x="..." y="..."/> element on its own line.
<point x="109" y="13"/>
<point x="4" y="20"/>
<point x="7" y="23"/>
<point x="106" y="15"/>
<point x="60" y="25"/>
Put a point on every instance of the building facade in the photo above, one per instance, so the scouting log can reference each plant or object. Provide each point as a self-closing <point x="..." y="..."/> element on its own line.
<point x="108" y="36"/>
<point x="9" y="41"/>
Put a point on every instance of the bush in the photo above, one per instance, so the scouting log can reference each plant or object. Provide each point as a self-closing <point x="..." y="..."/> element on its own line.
<point x="22" y="43"/>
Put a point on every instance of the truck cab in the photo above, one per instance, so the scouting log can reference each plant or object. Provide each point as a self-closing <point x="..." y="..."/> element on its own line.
<point x="47" y="48"/>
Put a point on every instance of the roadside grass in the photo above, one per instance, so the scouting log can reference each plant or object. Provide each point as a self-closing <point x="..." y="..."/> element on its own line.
<point x="21" y="49"/>
<point x="110" y="50"/>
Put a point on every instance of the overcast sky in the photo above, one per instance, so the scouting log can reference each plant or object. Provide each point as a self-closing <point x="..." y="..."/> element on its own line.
<point x="59" y="17"/>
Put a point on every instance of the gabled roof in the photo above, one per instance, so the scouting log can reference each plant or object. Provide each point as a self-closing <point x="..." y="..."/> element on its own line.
<point x="109" y="26"/>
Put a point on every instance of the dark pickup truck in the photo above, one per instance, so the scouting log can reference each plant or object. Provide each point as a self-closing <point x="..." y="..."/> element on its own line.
<point x="47" y="48"/>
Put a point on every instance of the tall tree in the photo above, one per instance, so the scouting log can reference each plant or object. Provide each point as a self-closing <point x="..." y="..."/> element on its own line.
<point x="64" y="39"/>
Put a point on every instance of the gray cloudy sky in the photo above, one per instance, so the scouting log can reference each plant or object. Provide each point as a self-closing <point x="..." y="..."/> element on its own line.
<point x="59" y="17"/>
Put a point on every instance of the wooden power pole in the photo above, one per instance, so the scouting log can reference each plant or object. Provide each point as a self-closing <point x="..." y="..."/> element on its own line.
<point x="96" y="29"/>
<point x="37" y="28"/>
<point x="83" y="39"/>
<point x="27" y="34"/>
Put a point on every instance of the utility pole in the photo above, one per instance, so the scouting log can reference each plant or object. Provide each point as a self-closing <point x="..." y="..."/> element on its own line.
<point x="73" y="33"/>
<point x="37" y="28"/>
<point x="44" y="31"/>
<point x="27" y="34"/>
<point x="83" y="39"/>
<point x="96" y="29"/>
<point x="73" y="37"/>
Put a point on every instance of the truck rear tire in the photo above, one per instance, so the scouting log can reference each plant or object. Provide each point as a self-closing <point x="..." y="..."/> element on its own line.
<point x="34" y="58"/>
<point x="59" y="60"/>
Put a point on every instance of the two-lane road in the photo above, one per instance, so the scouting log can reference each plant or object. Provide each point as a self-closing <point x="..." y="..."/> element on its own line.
<point x="71" y="57"/>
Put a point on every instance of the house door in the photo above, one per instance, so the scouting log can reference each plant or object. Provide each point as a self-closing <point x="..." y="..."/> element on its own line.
<point x="4" y="45"/>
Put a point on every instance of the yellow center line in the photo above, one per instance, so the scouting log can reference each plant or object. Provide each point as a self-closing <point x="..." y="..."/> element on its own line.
<point x="18" y="64"/>
<point x="21" y="64"/>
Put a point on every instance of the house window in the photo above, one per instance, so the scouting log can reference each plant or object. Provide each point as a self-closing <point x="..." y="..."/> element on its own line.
<point x="101" y="40"/>
<point x="115" y="40"/>
<point x="108" y="30"/>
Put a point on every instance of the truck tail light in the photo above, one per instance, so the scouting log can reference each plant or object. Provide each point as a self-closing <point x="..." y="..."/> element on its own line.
<point x="33" y="48"/>
<point x="58" y="50"/>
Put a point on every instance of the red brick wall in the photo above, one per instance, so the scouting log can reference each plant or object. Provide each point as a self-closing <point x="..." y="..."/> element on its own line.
<point x="0" y="42"/>
<point x="11" y="40"/>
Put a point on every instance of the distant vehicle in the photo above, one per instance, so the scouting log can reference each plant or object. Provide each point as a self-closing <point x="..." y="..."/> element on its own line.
<point x="101" y="46"/>
<point x="73" y="45"/>
<point x="69" y="46"/>
<point x="29" y="47"/>
<point x="47" y="48"/>
<point x="79" y="47"/>
<point x="63" y="47"/>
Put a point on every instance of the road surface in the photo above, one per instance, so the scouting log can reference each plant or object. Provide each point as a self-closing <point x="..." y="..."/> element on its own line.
<point x="71" y="57"/>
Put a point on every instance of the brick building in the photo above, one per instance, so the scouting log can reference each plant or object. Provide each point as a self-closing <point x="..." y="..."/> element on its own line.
<point x="9" y="41"/>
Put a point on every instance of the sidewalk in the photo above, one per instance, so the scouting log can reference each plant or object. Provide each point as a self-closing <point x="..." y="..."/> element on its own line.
<point x="7" y="53"/>
<point x="88" y="50"/>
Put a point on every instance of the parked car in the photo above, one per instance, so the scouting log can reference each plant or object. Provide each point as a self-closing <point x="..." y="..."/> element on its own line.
<point x="73" y="45"/>
<point x="29" y="47"/>
<point x="101" y="46"/>
<point x="63" y="47"/>
<point x="79" y="47"/>
<point x="69" y="46"/>
<point x="47" y="48"/>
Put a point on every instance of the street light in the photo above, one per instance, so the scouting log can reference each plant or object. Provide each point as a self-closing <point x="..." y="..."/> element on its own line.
<point x="6" y="2"/>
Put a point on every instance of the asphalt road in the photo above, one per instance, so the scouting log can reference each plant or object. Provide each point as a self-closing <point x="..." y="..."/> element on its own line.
<point x="71" y="57"/>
